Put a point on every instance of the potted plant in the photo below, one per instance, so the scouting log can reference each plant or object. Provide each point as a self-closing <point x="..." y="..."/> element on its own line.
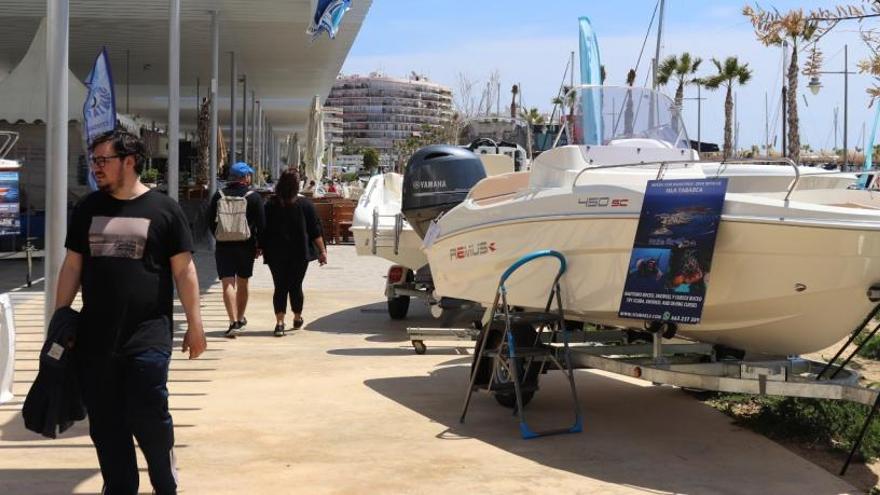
<point x="150" y="177"/>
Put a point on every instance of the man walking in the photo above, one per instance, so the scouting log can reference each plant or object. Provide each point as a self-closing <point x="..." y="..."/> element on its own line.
<point x="125" y="246"/>
<point x="237" y="218"/>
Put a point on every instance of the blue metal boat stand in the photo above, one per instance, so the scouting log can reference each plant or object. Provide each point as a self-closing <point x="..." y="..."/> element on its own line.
<point x="517" y="365"/>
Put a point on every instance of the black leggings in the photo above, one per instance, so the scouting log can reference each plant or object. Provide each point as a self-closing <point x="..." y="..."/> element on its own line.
<point x="288" y="277"/>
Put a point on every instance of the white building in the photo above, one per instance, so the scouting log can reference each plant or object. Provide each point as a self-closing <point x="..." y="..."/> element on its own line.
<point x="379" y="111"/>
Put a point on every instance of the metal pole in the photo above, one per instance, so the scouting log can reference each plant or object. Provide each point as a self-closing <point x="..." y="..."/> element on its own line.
<point x="659" y="42"/>
<point x="253" y="129"/>
<point x="173" y="97"/>
<point x="244" y="120"/>
<point x="58" y="22"/>
<point x="699" y="117"/>
<point x="766" y="124"/>
<point x="233" y="122"/>
<point x="127" y="81"/>
<point x="845" y="106"/>
<point x="258" y="139"/>
<point x="215" y="81"/>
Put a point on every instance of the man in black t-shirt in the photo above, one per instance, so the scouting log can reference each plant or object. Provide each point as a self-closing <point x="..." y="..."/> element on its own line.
<point x="235" y="259"/>
<point x="126" y="247"/>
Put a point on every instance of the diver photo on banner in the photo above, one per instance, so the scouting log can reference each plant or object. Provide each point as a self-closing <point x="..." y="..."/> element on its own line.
<point x="669" y="268"/>
<point x="10" y="209"/>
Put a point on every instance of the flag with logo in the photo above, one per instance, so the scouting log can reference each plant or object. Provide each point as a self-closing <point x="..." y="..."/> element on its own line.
<point x="328" y="16"/>
<point x="99" y="110"/>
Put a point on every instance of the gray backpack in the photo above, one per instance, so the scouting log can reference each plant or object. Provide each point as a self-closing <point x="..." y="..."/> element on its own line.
<point x="232" y="224"/>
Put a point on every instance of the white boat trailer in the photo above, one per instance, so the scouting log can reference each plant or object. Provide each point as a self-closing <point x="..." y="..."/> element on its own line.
<point x="696" y="366"/>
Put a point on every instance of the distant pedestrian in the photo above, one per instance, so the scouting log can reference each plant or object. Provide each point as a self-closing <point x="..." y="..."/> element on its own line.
<point x="311" y="187"/>
<point x="292" y="238"/>
<point x="236" y="216"/>
<point x="126" y="245"/>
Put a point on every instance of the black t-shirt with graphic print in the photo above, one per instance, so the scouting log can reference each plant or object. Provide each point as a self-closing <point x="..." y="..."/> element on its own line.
<point x="127" y="285"/>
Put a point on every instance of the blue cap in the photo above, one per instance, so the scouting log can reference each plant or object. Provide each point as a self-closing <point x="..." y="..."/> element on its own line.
<point x="239" y="170"/>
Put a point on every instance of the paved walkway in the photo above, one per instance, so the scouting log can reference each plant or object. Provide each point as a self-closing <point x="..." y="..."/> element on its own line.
<point x="346" y="407"/>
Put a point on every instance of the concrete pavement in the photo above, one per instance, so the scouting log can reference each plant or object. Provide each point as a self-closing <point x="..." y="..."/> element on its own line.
<point x="344" y="406"/>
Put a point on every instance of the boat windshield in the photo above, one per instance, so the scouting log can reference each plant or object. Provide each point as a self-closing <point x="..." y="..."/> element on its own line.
<point x="595" y="115"/>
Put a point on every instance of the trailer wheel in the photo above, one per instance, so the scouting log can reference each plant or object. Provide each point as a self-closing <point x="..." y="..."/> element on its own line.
<point x="398" y="307"/>
<point x="419" y="346"/>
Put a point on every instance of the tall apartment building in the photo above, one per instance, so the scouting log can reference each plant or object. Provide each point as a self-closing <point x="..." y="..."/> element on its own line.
<point x="379" y="111"/>
<point x="333" y="126"/>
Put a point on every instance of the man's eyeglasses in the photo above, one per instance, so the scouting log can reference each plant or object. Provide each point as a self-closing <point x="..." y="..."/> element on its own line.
<point x="101" y="161"/>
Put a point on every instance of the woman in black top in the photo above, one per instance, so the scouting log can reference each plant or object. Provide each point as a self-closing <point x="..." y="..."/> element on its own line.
<point x="292" y="238"/>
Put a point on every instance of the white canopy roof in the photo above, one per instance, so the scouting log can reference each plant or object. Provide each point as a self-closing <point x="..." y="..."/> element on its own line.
<point x="23" y="92"/>
<point x="283" y="65"/>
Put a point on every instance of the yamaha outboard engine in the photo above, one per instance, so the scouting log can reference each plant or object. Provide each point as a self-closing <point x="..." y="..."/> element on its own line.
<point x="437" y="178"/>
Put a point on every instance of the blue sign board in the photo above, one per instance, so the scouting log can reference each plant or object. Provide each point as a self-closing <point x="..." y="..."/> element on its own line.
<point x="10" y="198"/>
<point x="672" y="254"/>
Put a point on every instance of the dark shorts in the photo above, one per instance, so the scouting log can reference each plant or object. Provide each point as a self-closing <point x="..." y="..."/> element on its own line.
<point x="235" y="260"/>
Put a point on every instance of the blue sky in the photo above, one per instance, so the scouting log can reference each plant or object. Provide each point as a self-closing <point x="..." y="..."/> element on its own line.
<point x="529" y="43"/>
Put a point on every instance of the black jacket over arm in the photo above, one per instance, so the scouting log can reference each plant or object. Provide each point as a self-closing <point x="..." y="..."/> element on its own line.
<point x="54" y="400"/>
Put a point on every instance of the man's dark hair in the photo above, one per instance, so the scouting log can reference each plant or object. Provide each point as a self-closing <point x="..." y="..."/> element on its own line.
<point x="287" y="187"/>
<point x="124" y="144"/>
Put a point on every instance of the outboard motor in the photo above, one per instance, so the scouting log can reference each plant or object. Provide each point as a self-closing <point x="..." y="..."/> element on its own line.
<point x="437" y="178"/>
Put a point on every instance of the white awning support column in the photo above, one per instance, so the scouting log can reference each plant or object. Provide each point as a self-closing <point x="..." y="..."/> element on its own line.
<point x="233" y="83"/>
<point x="58" y="24"/>
<point x="173" y="98"/>
<point x="244" y="119"/>
<point x="253" y="162"/>
<point x="258" y="145"/>
<point x="215" y="82"/>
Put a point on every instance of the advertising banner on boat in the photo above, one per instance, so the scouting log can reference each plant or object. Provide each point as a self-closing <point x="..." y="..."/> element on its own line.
<point x="669" y="268"/>
<point x="10" y="210"/>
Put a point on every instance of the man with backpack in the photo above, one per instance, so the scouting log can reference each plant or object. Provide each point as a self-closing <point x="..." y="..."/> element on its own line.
<point x="237" y="217"/>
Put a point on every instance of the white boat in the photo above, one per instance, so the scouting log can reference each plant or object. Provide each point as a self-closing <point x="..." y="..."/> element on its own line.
<point x="794" y="262"/>
<point x="378" y="227"/>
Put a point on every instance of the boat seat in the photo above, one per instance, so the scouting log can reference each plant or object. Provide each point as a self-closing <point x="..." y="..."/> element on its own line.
<point x="492" y="189"/>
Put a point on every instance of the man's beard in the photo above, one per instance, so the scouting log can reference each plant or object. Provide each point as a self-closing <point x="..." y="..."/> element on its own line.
<point x="110" y="186"/>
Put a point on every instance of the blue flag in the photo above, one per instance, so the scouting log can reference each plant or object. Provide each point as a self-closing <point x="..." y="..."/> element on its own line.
<point x="591" y="74"/>
<point x="99" y="110"/>
<point x="328" y="17"/>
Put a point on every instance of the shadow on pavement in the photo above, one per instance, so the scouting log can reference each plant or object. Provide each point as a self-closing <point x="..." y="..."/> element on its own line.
<point x="13" y="274"/>
<point x="14" y="431"/>
<point x="653" y="438"/>
<point x="43" y="481"/>
<point x="389" y="351"/>
<point x="372" y="320"/>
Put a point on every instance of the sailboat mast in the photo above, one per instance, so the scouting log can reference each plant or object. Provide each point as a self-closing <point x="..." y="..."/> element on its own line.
<point x="659" y="42"/>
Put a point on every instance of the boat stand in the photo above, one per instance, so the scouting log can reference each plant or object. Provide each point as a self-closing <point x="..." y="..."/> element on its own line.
<point x="501" y="365"/>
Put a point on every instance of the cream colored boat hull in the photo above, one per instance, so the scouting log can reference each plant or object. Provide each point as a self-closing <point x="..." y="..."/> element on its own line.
<point x="409" y="252"/>
<point x="753" y="302"/>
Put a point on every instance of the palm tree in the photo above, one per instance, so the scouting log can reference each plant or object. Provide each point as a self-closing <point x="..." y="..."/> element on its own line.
<point x="681" y="69"/>
<point x="532" y="116"/>
<point x="513" y="91"/>
<point x="729" y="73"/>
<point x="774" y="29"/>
